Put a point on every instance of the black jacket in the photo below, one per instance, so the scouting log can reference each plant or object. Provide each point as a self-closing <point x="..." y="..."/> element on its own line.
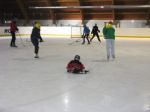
<point x="95" y="30"/>
<point x="35" y="33"/>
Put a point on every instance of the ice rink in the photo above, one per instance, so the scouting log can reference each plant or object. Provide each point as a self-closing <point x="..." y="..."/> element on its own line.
<point x="43" y="85"/>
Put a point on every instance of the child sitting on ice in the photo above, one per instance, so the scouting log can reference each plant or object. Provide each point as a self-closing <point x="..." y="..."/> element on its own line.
<point x="75" y="66"/>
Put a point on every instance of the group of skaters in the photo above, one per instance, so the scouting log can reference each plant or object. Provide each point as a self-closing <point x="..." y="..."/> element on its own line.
<point x="86" y="33"/>
<point x="75" y="65"/>
<point x="109" y="36"/>
<point x="35" y="36"/>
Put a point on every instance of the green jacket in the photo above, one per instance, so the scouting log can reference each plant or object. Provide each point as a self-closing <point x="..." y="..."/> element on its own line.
<point x="109" y="32"/>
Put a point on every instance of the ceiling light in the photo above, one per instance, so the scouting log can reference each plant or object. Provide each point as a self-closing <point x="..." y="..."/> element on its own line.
<point x="92" y="7"/>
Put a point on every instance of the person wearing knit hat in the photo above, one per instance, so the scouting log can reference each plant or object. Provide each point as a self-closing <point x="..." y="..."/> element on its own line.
<point x="95" y="32"/>
<point x="86" y="32"/>
<point x="36" y="37"/>
<point x="75" y="66"/>
<point x="37" y="24"/>
<point x="109" y="35"/>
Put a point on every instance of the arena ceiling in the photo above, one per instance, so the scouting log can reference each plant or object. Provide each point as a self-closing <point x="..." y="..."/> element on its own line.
<point x="75" y="9"/>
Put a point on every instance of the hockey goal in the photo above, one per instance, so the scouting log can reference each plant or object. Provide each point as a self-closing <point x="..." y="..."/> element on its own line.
<point x="76" y="31"/>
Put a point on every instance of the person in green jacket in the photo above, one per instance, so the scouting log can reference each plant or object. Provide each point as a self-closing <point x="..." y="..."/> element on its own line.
<point x="109" y="35"/>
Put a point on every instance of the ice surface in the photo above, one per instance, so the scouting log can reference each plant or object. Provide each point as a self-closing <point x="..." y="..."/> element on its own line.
<point x="43" y="85"/>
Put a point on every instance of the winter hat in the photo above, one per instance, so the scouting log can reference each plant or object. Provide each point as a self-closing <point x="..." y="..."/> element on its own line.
<point x="110" y="22"/>
<point x="37" y="24"/>
<point x="77" y="57"/>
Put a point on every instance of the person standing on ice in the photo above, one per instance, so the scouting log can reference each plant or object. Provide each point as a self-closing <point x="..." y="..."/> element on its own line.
<point x="86" y="32"/>
<point x="95" y="32"/>
<point x="13" y="30"/>
<point x="109" y="36"/>
<point x="36" y="37"/>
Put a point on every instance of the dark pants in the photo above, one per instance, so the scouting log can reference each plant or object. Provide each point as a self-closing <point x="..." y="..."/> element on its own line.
<point x="95" y="34"/>
<point x="87" y="37"/>
<point x="13" y="40"/>
<point x="35" y="42"/>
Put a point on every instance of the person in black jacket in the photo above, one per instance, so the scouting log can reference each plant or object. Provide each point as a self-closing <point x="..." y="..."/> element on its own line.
<point x="36" y="37"/>
<point x="95" y="32"/>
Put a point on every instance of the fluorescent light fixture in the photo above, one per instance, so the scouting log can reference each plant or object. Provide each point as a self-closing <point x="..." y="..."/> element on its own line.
<point x="53" y="7"/>
<point x="92" y="7"/>
<point x="102" y="7"/>
<point x="7" y="21"/>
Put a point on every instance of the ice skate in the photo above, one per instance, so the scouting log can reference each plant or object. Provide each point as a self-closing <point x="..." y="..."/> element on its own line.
<point x="36" y="56"/>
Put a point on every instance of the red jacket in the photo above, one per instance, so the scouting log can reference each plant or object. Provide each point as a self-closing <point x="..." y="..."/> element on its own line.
<point x="75" y="65"/>
<point x="13" y="26"/>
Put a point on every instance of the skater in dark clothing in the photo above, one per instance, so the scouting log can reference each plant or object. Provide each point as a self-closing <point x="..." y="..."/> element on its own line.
<point x="36" y="37"/>
<point x="86" y="32"/>
<point x="75" y="66"/>
<point x="95" y="32"/>
<point x="13" y="30"/>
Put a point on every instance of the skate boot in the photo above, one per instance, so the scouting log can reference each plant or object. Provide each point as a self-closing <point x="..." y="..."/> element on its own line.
<point x="108" y="58"/>
<point x="36" y="56"/>
<point x="86" y="71"/>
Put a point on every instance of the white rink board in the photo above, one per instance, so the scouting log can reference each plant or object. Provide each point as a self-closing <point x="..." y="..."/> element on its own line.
<point x="69" y="31"/>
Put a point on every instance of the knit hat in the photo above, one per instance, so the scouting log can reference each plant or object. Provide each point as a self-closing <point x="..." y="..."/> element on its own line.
<point x="110" y="22"/>
<point x="37" y="24"/>
<point x="77" y="57"/>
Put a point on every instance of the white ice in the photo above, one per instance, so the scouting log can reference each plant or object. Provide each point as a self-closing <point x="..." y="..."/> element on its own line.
<point x="43" y="85"/>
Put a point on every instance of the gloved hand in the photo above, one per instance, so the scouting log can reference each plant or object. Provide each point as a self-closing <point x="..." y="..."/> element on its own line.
<point x="41" y="40"/>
